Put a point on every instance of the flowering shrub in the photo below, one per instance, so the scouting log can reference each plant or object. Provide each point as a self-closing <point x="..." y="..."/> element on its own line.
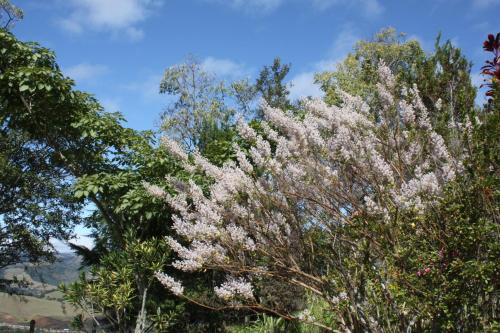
<point x="318" y="203"/>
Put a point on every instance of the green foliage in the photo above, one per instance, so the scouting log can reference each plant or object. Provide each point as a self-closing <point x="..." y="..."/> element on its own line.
<point x="445" y="75"/>
<point x="357" y="74"/>
<point x="51" y="136"/>
<point x="127" y="224"/>
<point x="38" y="150"/>
<point x="266" y="323"/>
<point x="116" y="287"/>
<point x="244" y="93"/>
<point x="270" y="85"/>
<point x="450" y="259"/>
<point x="218" y="147"/>
<point x="200" y="110"/>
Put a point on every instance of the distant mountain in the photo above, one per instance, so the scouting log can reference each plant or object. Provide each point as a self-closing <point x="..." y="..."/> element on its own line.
<point x="39" y="299"/>
<point x="65" y="269"/>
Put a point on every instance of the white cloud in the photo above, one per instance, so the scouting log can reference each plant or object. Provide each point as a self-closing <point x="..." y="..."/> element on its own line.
<point x="303" y="83"/>
<point x="117" y="16"/>
<point x="85" y="71"/>
<point x="480" y="4"/>
<point x="343" y="43"/>
<point x="482" y="26"/>
<point x="252" y="6"/>
<point x="369" y="8"/>
<point x="225" y="68"/>
<point x="372" y="7"/>
<point x="63" y="247"/>
<point x="110" y="104"/>
<point x="134" y="33"/>
<point x="148" y="88"/>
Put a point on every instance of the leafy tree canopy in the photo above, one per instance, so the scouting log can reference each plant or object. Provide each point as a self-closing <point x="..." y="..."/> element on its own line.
<point x="50" y="134"/>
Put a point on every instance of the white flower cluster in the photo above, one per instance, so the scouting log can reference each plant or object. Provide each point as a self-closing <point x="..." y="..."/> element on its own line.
<point x="174" y="148"/>
<point x="234" y="288"/>
<point x="174" y="286"/>
<point x="154" y="190"/>
<point x="198" y="254"/>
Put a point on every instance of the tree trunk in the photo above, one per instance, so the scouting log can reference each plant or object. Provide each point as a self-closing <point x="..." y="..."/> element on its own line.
<point x="140" y="326"/>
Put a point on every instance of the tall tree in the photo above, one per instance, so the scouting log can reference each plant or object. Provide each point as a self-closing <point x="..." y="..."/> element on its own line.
<point x="272" y="87"/>
<point x="50" y="134"/>
<point x="61" y="151"/>
<point x="200" y="109"/>
<point x="204" y="111"/>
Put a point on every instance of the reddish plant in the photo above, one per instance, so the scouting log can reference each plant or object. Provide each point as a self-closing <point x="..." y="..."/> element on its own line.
<point x="492" y="67"/>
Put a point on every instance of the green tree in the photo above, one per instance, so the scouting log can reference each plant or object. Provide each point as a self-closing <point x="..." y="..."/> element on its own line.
<point x="123" y="289"/>
<point x="205" y="108"/>
<point x="271" y="86"/>
<point x="200" y="109"/>
<point x="50" y="134"/>
<point x="126" y="225"/>
<point x="357" y="74"/>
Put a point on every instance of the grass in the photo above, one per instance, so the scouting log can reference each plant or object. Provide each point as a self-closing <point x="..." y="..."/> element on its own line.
<point x="24" y="308"/>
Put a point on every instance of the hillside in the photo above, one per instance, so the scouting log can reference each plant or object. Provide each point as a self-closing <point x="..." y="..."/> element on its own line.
<point x="40" y="299"/>
<point x="64" y="270"/>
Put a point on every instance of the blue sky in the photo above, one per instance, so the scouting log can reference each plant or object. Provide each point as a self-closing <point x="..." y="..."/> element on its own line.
<point x="118" y="49"/>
